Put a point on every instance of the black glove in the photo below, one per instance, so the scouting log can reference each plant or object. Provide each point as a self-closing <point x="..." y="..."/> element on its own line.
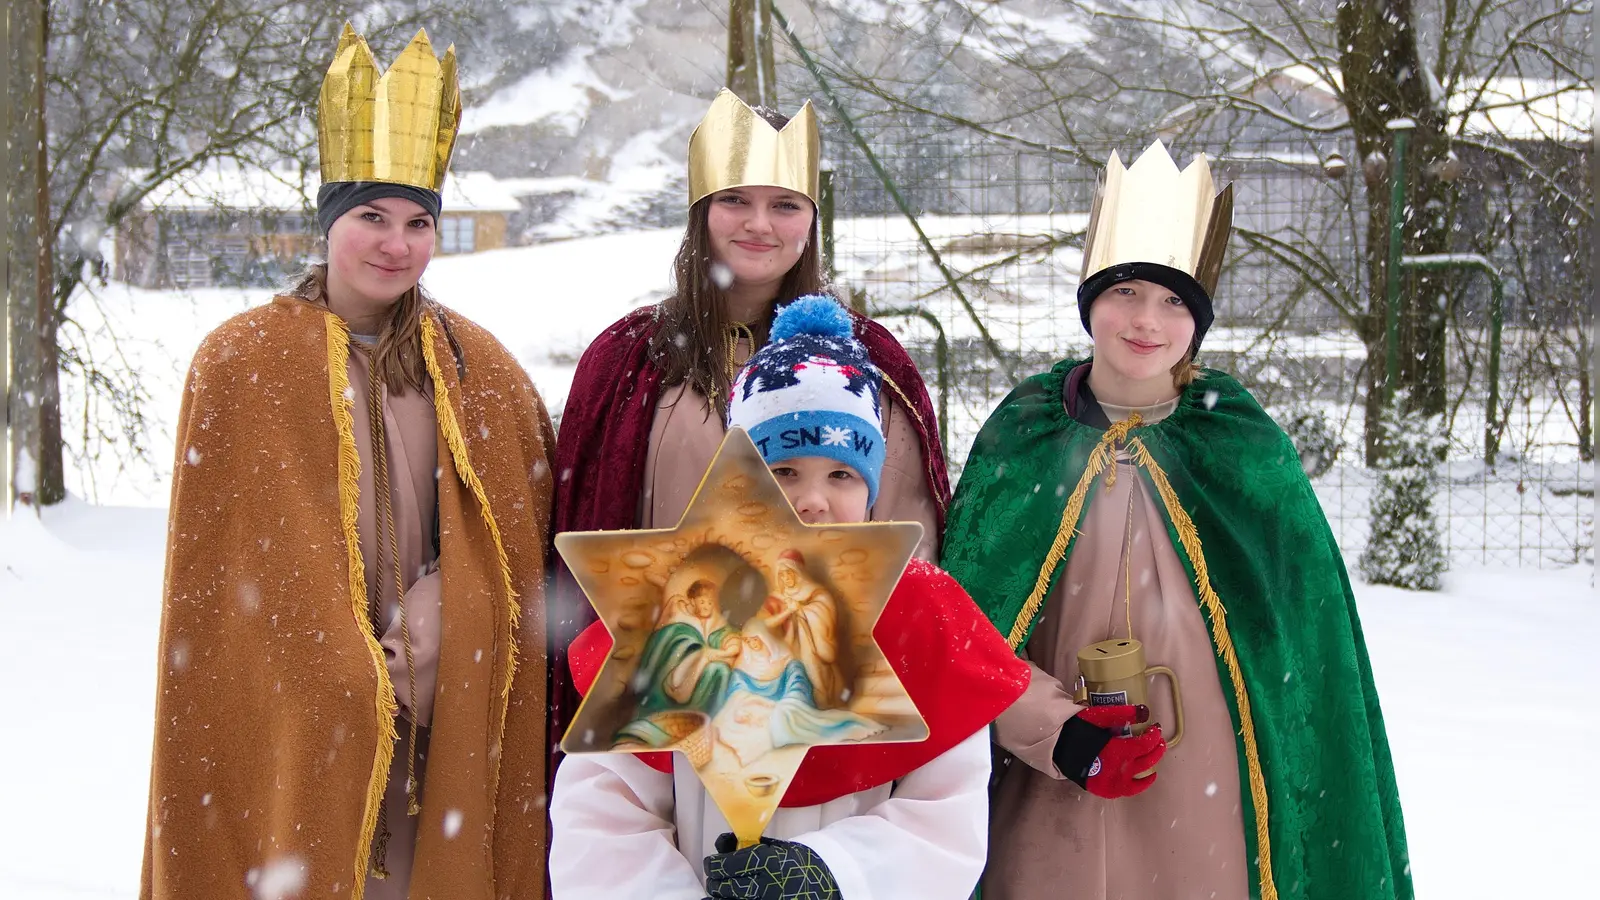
<point x="771" y="870"/>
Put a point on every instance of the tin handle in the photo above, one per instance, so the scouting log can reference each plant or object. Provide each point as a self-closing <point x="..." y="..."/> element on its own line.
<point x="1177" y="701"/>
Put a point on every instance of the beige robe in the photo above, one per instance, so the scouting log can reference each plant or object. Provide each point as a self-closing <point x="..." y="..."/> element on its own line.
<point x="1182" y="838"/>
<point x="411" y="433"/>
<point x="686" y="433"/>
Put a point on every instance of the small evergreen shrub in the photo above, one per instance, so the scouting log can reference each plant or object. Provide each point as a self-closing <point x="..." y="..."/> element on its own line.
<point x="1406" y="545"/>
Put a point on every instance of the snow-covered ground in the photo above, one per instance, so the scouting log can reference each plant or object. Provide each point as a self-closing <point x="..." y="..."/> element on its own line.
<point x="1488" y="688"/>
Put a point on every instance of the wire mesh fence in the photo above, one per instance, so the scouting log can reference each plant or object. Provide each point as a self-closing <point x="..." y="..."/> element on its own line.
<point x="1008" y="225"/>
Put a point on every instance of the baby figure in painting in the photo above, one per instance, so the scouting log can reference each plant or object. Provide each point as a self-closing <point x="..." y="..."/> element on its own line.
<point x="881" y="820"/>
<point x="771" y="702"/>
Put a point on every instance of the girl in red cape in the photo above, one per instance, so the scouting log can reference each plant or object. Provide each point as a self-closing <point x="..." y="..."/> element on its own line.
<point x="646" y="410"/>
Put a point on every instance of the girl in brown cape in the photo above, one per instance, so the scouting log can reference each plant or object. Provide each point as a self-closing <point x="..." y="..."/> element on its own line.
<point x="646" y="410"/>
<point x="351" y="688"/>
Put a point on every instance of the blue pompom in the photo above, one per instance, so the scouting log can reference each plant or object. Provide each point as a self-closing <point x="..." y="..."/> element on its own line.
<point x="816" y="314"/>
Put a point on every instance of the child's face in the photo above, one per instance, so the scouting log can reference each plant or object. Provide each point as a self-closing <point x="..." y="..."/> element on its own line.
<point x="1141" y="330"/>
<point x="823" y="491"/>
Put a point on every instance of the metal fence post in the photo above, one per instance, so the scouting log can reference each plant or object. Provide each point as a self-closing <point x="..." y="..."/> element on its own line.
<point x="1397" y="207"/>
<point x="825" y="223"/>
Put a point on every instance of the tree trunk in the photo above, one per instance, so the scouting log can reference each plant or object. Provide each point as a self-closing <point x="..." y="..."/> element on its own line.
<point x="1384" y="79"/>
<point x="35" y="397"/>
<point x="752" y="72"/>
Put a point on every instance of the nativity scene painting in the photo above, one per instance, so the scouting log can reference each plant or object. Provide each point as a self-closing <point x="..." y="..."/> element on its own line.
<point x="742" y="637"/>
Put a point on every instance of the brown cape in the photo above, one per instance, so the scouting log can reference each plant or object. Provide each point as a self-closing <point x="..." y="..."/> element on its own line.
<point x="274" y="710"/>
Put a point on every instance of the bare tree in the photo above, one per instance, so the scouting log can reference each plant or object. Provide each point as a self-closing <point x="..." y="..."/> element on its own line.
<point x="751" y="71"/>
<point x="33" y="403"/>
<point x="139" y="94"/>
<point x="1323" y="77"/>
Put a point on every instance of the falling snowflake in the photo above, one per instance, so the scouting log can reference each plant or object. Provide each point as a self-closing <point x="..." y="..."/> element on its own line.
<point x="279" y="879"/>
<point x="835" y="437"/>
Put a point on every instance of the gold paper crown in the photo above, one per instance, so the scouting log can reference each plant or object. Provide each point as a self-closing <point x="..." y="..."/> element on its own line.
<point x="400" y="128"/>
<point x="733" y="146"/>
<point x="1152" y="213"/>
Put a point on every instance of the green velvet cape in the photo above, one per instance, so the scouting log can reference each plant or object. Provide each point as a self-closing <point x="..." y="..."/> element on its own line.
<point x="1321" y="812"/>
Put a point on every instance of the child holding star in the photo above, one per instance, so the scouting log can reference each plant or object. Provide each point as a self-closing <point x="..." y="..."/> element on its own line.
<point x="858" y="821"/>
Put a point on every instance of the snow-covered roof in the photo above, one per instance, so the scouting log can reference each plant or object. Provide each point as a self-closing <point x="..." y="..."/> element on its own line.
<point x="1520" y="109"/>
<point x="233" y="187"/>
<point x="1525" y="109"/>
<point x="230" y="186"/>
<point x="477" y="192"/>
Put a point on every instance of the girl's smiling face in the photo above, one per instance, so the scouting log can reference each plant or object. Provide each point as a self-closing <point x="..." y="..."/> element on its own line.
<point x="758" y="233"/>
<point x="378" y="251"/>
<point x="1141" y="330"/>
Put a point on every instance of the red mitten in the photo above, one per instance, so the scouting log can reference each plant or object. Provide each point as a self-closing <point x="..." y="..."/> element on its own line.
<point x="1092" y="753"/>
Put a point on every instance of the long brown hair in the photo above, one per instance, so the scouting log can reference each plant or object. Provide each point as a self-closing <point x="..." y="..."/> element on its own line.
<point x="1185" y="372"/>
<point x="689" y="341"/>
<point x="398" y="359"/>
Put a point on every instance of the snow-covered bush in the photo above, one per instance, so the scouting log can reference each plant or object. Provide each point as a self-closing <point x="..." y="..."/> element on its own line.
<point x="1405" y="547"/>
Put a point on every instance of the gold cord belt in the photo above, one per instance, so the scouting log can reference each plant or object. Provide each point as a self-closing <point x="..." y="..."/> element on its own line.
<point x="387" y="540"/>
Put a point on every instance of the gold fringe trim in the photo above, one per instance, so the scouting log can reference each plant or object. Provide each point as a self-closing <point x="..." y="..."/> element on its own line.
<point x="349" y="511"/>
<point x="932" y="434"/>
<point x="1189" y="536"/>
<point x="1098" y="459"/>
<point x="446" y="412"/>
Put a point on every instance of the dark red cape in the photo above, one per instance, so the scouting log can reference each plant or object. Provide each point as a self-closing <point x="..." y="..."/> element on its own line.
<point x="957" y="668"/>
<point x="600" y="454"/>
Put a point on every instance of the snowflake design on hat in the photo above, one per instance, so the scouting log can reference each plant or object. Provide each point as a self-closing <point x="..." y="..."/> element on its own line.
<point x="836" y="437"/>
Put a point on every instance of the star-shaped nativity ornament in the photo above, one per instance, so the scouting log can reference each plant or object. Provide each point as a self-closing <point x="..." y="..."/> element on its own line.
<point x="742" y="637"/>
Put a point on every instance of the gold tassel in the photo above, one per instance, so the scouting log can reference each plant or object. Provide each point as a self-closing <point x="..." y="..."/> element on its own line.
<point x="1189" y="537"/>
<point x="905" y="402"/>
<point x="1116" y="434"/>
<point x="388" y="539"/>
<point x="730" y="346"/>
<point x="446" y="413"/>
<point x="338" y="348"/>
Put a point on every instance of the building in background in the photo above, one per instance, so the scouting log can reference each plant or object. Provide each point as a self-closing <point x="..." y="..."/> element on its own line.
<point x="228" y="225"/>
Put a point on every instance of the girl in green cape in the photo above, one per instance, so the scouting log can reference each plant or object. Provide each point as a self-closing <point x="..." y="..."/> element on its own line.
<point x="1135" y="497"/>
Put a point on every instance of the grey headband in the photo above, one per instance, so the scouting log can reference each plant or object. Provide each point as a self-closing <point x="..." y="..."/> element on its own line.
<point x="338" y="198"/>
